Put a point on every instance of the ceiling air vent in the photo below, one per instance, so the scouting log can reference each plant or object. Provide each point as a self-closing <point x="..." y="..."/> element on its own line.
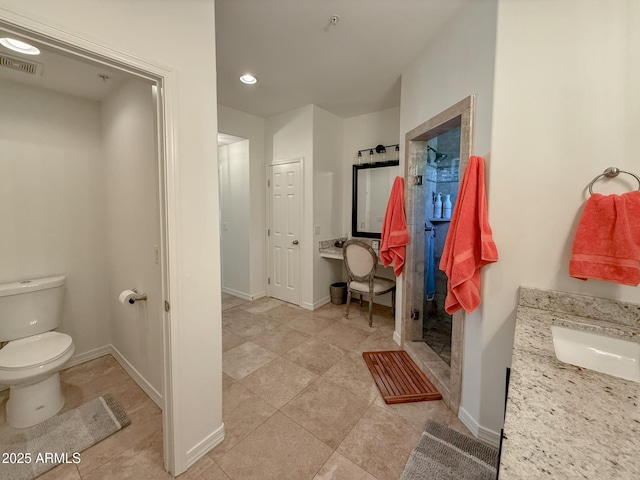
<point x="19" y="65"/>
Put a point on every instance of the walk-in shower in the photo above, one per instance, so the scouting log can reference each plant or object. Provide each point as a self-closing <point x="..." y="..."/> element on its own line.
<point x="441" y="192"/>
<point x="434" y="340"/>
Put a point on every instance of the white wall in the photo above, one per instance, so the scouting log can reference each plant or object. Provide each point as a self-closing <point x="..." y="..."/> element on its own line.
<point x="566" y="107"/>
<point x="460" y="62"/>
<point x="365" y="131"/>
<point x="177" y="35"/>
<point x="235" y="218"/>
<point x="240" y="124"/>
<point x="289" y="135"/>
<point x="52" y="203"/>
<point x="327" y="197"/>
<point x="315" y="135"/>
<point x="368" y="131"/>
<point x="132" y="227"/>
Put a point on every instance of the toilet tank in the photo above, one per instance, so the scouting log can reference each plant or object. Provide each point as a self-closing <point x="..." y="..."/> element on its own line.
<point x="30" y="307"/>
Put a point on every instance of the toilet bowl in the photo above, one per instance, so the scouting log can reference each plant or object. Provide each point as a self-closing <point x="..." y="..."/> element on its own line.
<point x="29" y="366"/>
<point x="33" y="353"/>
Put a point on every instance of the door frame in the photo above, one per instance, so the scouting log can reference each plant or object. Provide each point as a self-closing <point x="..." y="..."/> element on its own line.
<point x="303" y="246"/>
<point x="165" y="80"/>
<point x="448" y="379"/>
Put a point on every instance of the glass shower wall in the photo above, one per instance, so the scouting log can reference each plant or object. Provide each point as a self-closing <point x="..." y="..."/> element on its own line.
<point x="441" y="177"/>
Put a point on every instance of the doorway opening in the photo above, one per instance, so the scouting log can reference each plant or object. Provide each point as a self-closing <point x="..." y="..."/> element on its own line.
<point x="437" y="153"/>
<point x="139" y="91"/>
<point x="440" y="180"/>
<point x="284" y="188"/>
<point x="235" y="215"/>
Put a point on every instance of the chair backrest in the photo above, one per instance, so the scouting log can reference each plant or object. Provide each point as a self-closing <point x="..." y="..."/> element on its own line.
<point x="360" y="260"/>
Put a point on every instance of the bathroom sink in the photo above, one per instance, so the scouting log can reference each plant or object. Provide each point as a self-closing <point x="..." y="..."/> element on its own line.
<point x="604" y="354"/>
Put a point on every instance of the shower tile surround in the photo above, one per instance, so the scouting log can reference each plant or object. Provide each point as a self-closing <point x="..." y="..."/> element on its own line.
<point x="445" y="378"/>
<point x="564" y="421"/>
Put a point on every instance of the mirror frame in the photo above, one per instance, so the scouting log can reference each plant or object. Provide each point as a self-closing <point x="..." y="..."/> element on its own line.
<point x="354" y="196"/>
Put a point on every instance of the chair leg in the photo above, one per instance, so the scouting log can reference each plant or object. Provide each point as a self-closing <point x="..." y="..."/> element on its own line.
<point x="370" y="310"/>
<point x="361" y="302"/>
<point x="348" y="303"/>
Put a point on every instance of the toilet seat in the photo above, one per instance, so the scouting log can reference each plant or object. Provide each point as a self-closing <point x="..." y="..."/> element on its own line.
<point x="29" y="352"/>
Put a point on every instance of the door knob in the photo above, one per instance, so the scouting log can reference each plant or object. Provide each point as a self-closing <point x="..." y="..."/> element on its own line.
<point x="295" y="242"/>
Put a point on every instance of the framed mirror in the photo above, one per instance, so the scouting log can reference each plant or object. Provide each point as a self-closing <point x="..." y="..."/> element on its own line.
<point x="370" y="193"/>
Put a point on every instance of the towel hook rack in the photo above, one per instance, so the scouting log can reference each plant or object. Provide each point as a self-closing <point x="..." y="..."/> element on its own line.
<point x="612" y="172"/>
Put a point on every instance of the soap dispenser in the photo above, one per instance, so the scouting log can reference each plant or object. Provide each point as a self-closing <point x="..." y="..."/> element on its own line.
<point x="437" y="209"/>
<point x="446" y="207"/>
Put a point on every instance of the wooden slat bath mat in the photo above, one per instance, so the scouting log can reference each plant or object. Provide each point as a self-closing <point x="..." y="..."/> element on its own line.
<point x="398" y="378"/>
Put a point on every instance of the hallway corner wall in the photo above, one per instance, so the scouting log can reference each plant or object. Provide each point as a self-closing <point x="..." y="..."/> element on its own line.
<point x="251" y="127"/>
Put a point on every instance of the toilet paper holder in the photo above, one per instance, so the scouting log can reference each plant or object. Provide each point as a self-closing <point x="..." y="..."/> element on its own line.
<point x="137" y="298"/>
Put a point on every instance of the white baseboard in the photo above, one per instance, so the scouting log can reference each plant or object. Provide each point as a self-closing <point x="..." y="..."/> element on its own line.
<point x="113" y="351"/>
<point x="258" y="295"/>
<point x="468" y="421"/>
<point x="396" y="337"/>
<point x="243" y="295"/>
<point x="483" y="434"/>
<point x="236" y="293"/>
<point x="207" y="444"/>
<point x="489" y="437"/>
<point x="88" y="356"/>
<point x="319" y="303"/>
<point x="137" y="377"/>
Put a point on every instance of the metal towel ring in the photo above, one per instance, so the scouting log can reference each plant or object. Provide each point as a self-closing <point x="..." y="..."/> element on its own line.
<point x="612" y="172"/>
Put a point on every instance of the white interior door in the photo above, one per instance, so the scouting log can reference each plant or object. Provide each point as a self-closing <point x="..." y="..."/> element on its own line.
<point x="284" y="238"/>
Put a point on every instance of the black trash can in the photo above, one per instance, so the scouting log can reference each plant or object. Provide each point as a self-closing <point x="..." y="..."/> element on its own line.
<point x="338" y="293"/>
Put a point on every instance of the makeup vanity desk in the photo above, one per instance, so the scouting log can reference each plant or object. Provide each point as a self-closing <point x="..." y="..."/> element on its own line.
<point x="328" y="249"/>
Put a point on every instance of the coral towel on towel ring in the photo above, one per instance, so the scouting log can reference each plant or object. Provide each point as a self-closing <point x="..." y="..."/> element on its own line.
<point x="607" y="241"/>
<point x="469" y="244"/>
<point x="395" y="236"/>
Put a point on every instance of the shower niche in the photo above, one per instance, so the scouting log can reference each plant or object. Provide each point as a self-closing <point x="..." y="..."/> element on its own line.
<point x="437" y="153"/>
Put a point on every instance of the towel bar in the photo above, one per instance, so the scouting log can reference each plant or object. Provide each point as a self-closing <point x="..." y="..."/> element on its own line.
<point x="612" y="172"/>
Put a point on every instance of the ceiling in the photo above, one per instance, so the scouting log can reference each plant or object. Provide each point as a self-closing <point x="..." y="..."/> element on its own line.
<point x="348" y="68"/>
<point x="300" y="58"/>
<point x="62" y="73"/>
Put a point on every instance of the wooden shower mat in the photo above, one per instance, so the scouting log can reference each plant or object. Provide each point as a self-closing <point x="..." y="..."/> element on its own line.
<point x="398" y="378"/>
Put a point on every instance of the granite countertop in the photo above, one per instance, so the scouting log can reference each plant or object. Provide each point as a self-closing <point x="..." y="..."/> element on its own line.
<point x="328" y="249"/>
<point x="563" y="421"/>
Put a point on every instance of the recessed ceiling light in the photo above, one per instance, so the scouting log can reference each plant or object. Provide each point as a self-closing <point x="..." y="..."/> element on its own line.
<point x="248" y="79"/>
<point x="19" y="46"/>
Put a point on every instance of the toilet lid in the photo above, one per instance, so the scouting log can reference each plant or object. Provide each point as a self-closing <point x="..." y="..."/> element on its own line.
<point x="34" y="350"/>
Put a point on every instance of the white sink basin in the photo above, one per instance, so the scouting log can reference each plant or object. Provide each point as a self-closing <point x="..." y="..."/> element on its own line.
<point x="610" y="355"/>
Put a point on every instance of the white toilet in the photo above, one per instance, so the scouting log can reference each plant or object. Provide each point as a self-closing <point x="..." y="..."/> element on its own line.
<point x="31" y="353"/>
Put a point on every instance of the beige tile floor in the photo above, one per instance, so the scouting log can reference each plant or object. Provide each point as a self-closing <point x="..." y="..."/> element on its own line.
<point x="298" y="403"/>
